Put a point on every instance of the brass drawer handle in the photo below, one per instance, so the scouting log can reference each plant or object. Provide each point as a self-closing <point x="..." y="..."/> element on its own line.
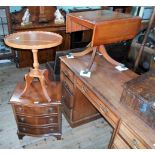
<point x="67" y="88"/>
<point x="104" y="110"/>
<point x="51" y="129"/>
<point x="22" y="119"/>
<point x="153" y="106"/>
<point x="24" y="129"/>
<point x="84" y="89"/>
<point x="66" y="73"/>
<point x="63" y="99"/>
<point x="20" y="109"/>
<point x="135" y="144"/>
<point x="51" y="120"/>
<point x="50" y="110"/>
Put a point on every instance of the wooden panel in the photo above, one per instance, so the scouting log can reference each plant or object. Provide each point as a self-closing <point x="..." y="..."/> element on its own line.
<point x="114" y="31"/>
<point x="83" y="109"/>
<point x="72" y="26"/>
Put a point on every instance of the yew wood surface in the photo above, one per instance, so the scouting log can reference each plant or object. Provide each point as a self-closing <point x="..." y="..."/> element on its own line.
<point x="106" y="82"/>
<point x="33" y="40"/>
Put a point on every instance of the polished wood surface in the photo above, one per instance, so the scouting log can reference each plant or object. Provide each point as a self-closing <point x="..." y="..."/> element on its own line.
<point x="34" y="115"/>
<point x="34" y="40"/>
<point x="103" y="89"/>
<point x="108" y="27"/>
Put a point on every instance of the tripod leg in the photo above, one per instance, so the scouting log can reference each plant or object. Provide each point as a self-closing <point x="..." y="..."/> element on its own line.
<point x="45" y="74"/>
<point x="28" y="81"/>
<point x="106" y="55"/>
<point x="86" y="51"/>
<point x="92" y="59"/>
<point x="43" y="86"/>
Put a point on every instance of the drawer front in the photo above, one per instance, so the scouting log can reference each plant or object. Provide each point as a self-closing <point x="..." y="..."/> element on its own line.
<point x="36" y="109"/>
<point x="31" y="120"/>
<point x="67" y="72"/>
<point x="131" y="138"/>
<point x="104" y="110"/>
<point x="68" y="84"/>
<point x="67" y="94"/>
<point x="38" y="130"/>
<point x="119" y="143"/>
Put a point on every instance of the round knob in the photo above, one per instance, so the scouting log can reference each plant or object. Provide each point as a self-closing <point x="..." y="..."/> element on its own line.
<point x="153" y="105"/>
<point x="51" y="129"/>
<point x="24" y="129"/>
<point x="22" y="119"/>
<point x="50" y="110"/>
<point x="51" y="120"/>
<point x="20" y="109"/>
<point x="135" y="143"/>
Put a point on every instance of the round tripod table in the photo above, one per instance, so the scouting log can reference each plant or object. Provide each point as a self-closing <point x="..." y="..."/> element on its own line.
<point x="34" y="40"/>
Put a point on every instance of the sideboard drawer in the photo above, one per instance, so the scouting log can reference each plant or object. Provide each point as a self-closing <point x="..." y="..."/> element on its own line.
<point x="38" y="130"/>
<point x="104" y="110"/>
<point x="31" y="120"/>
<point x="67" y="72"/>
<point x="36" y="110"/>
<point x="131" y="138"/>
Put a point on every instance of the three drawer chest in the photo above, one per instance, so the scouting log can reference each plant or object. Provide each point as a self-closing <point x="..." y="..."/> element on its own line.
<point x="34" y="115"/>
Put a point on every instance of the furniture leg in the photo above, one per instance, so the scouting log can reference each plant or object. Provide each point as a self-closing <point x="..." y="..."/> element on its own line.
<point x="28" y="81"/>
<point x="42" y="81"/>
<point x="20" y="136"/>
<point x="86" y="51"/>
<point x="46" y="75"/>
<point x="106" y="55"/>
<point x="92" y="59"/>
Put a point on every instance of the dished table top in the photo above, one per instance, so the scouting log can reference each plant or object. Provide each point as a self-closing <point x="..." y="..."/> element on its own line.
<point x="33" y="40"/>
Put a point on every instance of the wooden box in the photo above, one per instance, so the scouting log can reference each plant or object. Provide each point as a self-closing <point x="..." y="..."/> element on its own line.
<point x="139" y="95"/>
<point x="34" y="115"/>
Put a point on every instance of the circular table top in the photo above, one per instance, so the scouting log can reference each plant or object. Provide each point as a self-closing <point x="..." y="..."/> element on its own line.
<point x="33" y="40"/>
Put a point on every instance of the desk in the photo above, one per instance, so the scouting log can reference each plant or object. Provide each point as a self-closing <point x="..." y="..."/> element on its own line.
<point x="108" y="27"/>
<point x="104" y="90"/>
